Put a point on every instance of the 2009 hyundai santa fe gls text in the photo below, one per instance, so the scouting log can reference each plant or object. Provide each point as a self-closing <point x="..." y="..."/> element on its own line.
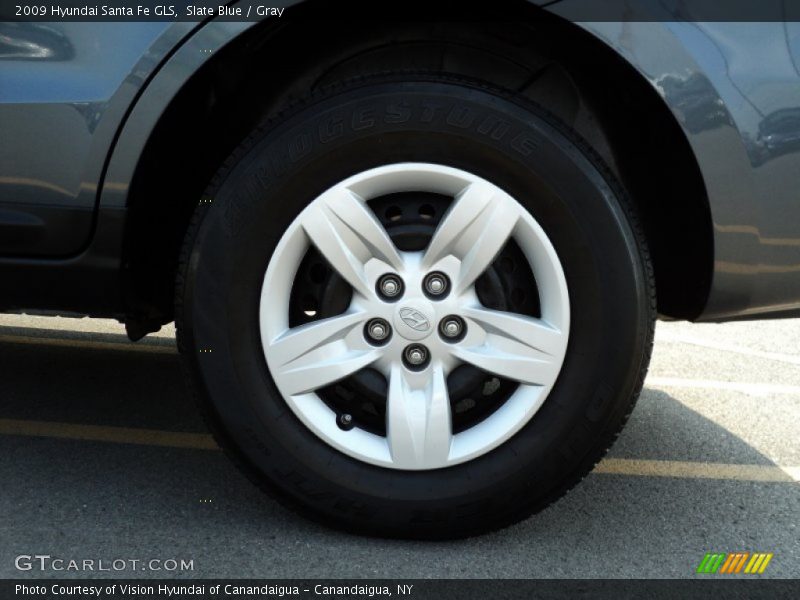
<point x="415" y="267"/>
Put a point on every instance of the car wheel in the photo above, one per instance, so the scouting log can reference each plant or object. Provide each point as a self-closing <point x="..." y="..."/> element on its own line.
<point x="415" y="306"/>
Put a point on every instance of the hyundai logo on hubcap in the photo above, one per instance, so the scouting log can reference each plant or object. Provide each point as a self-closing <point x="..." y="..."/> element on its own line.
<point x="415" y="319"/>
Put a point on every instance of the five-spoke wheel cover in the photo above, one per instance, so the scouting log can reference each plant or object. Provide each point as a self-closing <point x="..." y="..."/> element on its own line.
<point x="305" y="358"/>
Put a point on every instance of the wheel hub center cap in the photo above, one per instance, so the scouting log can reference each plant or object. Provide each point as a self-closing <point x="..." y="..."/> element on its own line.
<point x="414" y="319"/>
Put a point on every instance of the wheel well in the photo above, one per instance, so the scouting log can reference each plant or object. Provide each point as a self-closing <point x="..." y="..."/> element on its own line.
<point x="553" y="62"/>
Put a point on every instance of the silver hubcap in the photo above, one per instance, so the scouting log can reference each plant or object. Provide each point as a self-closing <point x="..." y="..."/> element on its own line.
<point x="415" y="360"/>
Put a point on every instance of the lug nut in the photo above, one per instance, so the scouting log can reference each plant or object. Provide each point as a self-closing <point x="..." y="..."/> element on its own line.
<point x="390" y="287"/>
<point x="452" y="328"/>
<point x="378" y="331"/>
<point x="436" y="285"/>
<point x="416" y="356"/>
<point x="345" y="421"/>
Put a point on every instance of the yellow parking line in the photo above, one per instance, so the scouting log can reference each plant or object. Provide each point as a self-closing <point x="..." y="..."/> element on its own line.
<point x="698" y="470"/>
<point x="202" y="441"/>
<point x="101" y="433"/>
<point x="87" y="344"/>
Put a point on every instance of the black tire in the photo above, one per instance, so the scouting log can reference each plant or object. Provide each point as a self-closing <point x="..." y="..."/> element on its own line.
<point x="282" y="167"/>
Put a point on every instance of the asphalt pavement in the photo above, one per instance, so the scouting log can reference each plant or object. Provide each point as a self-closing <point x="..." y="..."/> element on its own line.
<point x="104" y="457"/>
